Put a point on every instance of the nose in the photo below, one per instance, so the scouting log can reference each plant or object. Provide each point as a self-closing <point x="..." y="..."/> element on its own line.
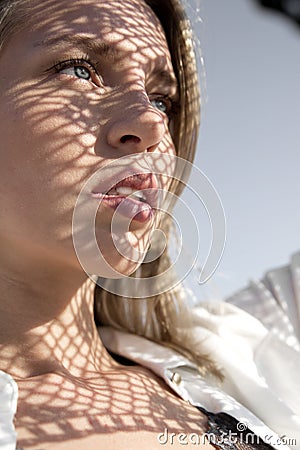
<point x="137" y="128"/>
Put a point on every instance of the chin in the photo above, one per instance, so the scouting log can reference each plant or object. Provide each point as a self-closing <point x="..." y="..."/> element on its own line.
<point x="126" y="255"/>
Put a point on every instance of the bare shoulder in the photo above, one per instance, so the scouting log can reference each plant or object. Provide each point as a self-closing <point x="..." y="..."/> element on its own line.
<point x="117" y="410"/>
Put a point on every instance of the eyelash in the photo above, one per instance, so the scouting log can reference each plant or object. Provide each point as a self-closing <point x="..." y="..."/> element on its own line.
<point x="173" y="107"/>
<point x="73" y="62"/>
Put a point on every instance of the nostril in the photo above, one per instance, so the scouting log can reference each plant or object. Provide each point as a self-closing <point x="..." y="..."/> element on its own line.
<point x="130" y="137"/>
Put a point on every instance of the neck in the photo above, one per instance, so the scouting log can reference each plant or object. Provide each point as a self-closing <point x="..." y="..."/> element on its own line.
<point x="49" y="328"/>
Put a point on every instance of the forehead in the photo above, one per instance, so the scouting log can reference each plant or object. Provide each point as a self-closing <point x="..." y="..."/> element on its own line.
<point x="130" y="25"/>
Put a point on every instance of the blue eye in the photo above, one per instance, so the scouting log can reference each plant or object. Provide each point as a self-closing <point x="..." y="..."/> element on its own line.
<point x="77" y="71"/>
<point x="82" y="72"/>
<point x="161" y="104"/>
<point x="80" y="68"/>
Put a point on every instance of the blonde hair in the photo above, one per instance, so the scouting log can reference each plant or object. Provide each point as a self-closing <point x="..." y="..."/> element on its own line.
<point x="10" y="21"/>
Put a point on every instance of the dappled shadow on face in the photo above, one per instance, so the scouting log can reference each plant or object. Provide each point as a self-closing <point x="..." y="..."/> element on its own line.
<point x="61" y="129"/>
<point x="58" y="128"/>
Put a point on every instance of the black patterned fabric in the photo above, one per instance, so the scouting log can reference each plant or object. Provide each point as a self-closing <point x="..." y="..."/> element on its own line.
<point x="226" y="433"/>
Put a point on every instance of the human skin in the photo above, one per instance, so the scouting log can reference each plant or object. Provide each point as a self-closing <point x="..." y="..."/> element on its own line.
<point x="60" y="130"/>
<point x="57" y="129"/>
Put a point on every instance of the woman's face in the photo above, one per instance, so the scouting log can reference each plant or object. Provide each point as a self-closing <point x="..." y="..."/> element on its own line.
<point x="84" y="84"/>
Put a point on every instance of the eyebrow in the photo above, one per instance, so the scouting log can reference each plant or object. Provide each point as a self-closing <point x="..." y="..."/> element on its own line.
<point x="84" y="42"/>
<point x="165" y="77"/>
<point x="100" y="48"/>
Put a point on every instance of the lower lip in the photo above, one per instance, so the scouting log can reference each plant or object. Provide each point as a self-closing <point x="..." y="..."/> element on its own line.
<point x="127" y="206"/>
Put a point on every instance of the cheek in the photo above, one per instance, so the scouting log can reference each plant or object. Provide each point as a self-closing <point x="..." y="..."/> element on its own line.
<point x="43" y="131"/>
<point x="166" y="162"/>
<point x="56" y="119"/>
<point x="45" y="159"/>
<point x="169" y="144"/>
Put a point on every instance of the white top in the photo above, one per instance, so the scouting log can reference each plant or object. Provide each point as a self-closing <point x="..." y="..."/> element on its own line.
<point x="257" y="350"/>
<point x="8" y="405"/>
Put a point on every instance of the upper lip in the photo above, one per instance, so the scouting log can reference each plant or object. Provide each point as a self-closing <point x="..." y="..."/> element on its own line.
<point x="144" y="182"/>
<point x="138" y="182"/>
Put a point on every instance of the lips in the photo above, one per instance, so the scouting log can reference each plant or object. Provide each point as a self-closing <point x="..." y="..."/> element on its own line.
<point x="135" y="196"/>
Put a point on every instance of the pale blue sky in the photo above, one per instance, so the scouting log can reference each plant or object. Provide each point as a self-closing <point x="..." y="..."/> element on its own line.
<point x="249" y="142"/>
